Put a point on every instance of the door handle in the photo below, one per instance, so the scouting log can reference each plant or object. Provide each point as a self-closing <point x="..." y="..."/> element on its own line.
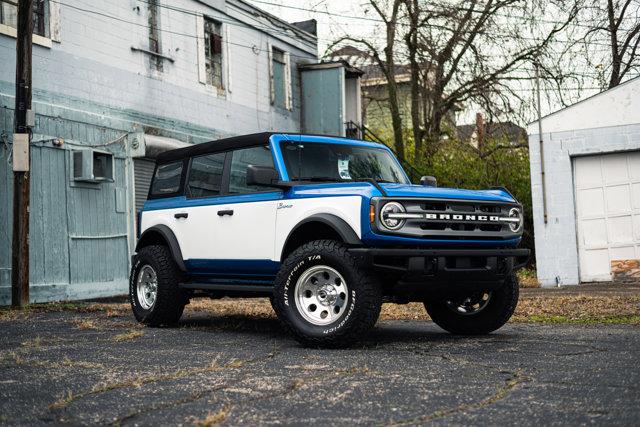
<point x="225" y="212"/>
<point x="181" y="215"/>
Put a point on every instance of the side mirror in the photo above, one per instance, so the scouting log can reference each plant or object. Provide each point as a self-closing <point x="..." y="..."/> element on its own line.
<point x="262" y="175"/>
<point x="429" y="181"/>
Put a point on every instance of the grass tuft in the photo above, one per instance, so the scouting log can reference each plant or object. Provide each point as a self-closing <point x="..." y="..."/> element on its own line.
<point x="130" y="335"/>
<point x="214" y="419"/>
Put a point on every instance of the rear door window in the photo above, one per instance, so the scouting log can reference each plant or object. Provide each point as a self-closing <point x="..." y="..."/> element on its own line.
<point x="167" y="179"/>
<point x="205" y="175"/>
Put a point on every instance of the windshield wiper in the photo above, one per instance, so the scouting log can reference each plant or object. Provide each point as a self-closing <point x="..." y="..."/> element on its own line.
<point x="318" y="179"/>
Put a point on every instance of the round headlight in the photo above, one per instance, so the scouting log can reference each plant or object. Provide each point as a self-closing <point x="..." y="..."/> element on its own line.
<point x="515" y="214"/>
<point x="392" y="208"/>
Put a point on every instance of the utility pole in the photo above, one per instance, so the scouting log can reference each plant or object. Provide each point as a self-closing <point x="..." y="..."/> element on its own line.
<point x="23" y="120"/>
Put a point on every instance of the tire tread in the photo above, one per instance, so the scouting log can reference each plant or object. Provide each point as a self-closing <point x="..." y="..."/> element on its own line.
<point x="171" y="300"/>
<point x="370" y="296"/>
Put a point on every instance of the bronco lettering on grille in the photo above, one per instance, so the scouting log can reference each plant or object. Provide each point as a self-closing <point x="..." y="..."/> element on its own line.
<point x="457" y="217"/>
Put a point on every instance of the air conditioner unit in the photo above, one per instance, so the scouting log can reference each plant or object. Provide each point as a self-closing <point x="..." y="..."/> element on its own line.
<point x="92" y="166"/>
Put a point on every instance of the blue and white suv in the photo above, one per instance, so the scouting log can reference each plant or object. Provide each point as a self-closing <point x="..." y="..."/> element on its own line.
<point x="328" y="228"/>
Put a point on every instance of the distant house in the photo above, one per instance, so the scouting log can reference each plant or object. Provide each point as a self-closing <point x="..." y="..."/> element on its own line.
<point x="498" y="131"/>
<point x="114" y="84"/>
<point x="375" y="98"/>
<point x="585" y="187"/>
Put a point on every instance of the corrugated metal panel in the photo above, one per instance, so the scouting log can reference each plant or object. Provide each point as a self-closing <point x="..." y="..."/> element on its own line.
<point x="143" y="172"/>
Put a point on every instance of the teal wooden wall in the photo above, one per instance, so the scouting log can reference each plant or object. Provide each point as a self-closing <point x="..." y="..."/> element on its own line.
<point x="81" y="235"/>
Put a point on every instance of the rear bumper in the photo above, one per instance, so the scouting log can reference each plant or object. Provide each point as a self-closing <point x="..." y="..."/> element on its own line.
<point x="445" y="269"/>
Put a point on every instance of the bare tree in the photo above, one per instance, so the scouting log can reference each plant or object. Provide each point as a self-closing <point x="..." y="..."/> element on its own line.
<point x="616" y="23"/>
<point x="461" y="53"/>
<point x="385" y="58"/>
<point x="471" y="52"/>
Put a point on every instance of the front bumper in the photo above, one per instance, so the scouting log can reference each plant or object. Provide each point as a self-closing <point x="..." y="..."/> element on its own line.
<point x="443" y="268"/>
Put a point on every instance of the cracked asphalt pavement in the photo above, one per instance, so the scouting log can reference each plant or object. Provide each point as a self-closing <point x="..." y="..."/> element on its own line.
<point x="99" y="367"/>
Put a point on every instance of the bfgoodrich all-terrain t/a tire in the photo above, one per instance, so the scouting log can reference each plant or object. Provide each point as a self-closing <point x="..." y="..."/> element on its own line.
<point x="324" y="297"/>
<point x="476" y="313"/>
<point x="154" y="292"/>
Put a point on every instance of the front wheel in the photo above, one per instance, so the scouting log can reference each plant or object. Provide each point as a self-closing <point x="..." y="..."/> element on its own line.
<point x="478" y="312"/>
<point x="324" y="297"/>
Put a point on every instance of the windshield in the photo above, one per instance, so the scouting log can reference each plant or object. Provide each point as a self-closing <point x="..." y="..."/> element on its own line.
<point x="310" y="161"/>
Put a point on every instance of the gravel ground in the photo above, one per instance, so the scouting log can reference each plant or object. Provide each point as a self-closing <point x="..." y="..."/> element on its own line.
<point x="97" y="366"/>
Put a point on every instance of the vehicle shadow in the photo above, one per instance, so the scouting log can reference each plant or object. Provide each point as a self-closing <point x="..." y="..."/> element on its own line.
<point x="385" y="332"/>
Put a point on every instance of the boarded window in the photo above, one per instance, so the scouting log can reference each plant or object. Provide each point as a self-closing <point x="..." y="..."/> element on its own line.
<point x="166" y="180"/>
<point x="279" y="88"/>
<point x="205" y="175"/>
<point x="256" y="156"/>
<point x="213" y="52"/>
<point x="154" y="34"/>
<point x="9" y="15"/>
<point x="280" y="76"/>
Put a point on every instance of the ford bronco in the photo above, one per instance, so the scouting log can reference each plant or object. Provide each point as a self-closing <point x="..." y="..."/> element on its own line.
<point x="328" y="228"/>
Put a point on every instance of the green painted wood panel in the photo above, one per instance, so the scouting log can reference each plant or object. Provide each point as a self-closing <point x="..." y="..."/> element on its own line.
<point x="322" y="97"/>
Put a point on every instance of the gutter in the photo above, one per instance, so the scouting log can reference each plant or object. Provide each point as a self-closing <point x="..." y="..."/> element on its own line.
<point x="542" y="174"/>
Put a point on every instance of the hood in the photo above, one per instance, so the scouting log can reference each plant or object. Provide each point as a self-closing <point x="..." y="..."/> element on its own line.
<point x="402" y="190"/>
<point x="409" y="190"/>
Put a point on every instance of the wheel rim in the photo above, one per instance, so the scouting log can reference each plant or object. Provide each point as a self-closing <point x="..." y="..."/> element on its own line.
<point x="321" y="295"/>
<point x="470" y="305"/>
<point x="147" y="287"/>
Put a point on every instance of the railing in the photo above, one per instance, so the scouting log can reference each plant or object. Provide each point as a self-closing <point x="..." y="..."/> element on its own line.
<point x="356" y="131"/>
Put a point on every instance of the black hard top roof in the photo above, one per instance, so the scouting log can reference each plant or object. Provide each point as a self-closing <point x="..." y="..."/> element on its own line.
<point x="227" y="144"/>
<point x="216" y="146"/>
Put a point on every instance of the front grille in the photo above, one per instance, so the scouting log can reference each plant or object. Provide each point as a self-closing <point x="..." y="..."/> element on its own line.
<point x="452" y="219"/>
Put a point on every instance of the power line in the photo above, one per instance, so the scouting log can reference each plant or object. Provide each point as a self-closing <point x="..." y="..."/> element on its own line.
<point x="442" y="27"/>
<point x="115" y="18"/>
<point x="442" y="6"/>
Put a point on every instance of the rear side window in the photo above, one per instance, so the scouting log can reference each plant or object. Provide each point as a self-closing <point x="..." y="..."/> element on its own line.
<point x="256" y="156"/>
<point x="166" y="180"/>
<point x="205" y="175"/>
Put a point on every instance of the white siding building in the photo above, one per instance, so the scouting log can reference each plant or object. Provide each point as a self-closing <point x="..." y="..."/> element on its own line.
<point x="592" y="183"/>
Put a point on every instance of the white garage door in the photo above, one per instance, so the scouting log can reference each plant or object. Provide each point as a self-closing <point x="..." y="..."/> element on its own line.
<point x="607" y="189"/>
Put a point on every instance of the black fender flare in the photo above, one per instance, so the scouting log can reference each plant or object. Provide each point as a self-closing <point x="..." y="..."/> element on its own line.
<point x="167" y="235"/>
<point x="338" y="224"/>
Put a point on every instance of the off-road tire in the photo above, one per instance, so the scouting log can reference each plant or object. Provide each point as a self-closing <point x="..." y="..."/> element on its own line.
<point x="362" y="307"/>
<point x="170" y="299"/>
<point x="499" y="309"/>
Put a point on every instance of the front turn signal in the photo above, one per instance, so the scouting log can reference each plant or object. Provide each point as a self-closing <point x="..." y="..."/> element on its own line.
<point x="372" y="214"/>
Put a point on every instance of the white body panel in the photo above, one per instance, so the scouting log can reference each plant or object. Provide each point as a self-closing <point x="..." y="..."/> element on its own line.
<point x="291" y="212"/>
<point x="255" y="231"/>
<point x="607" y="189"/>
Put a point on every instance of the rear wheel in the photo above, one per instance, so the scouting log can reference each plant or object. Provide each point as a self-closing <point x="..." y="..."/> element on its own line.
<point x="154" y="292"/>
<point x="478" y="312"/>
<point x="323" y="296"/>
